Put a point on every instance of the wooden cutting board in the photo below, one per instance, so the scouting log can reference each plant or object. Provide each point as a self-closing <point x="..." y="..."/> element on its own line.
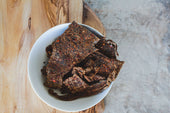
<point x="21" y="23"/>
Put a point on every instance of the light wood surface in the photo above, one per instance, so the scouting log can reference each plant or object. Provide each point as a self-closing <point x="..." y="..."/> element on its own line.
<point x="21" y="23"/>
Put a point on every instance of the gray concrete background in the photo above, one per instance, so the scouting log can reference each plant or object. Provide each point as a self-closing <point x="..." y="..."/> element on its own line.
<point x="142" y="30"/>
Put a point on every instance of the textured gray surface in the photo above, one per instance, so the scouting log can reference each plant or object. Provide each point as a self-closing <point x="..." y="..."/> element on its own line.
<point x="142" y="30"/>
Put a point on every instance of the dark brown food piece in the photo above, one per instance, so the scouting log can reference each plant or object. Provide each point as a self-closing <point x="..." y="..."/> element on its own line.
<point x="112" y="76"/>
<point x="93" y="81"/>
<point x="79" y="71"/>
<point x="107" y="47"/>
<point x="103" y="65"/>
<point x="75" y="84"/>
<point x="43" y="71"/>
<point x="70" y="48"/>
<point x="98" y="64"/>
<point x="49" y="50"/>
<point x="93" y="77"/>
<point x="92" y="90"/>
<point x="80" y="64"/>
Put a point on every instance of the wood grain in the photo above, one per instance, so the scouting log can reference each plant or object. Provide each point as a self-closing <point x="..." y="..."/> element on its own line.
<point x="21" y="23"/>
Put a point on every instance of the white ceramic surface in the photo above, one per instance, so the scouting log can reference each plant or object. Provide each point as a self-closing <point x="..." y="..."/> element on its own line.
<point x="35" y="62"/>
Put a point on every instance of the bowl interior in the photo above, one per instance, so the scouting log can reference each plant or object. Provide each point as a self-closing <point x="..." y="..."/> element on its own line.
<point x="35" y="63"/>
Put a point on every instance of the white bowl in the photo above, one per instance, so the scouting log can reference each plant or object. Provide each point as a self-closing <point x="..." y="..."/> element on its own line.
<point x="35" y="62"/>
